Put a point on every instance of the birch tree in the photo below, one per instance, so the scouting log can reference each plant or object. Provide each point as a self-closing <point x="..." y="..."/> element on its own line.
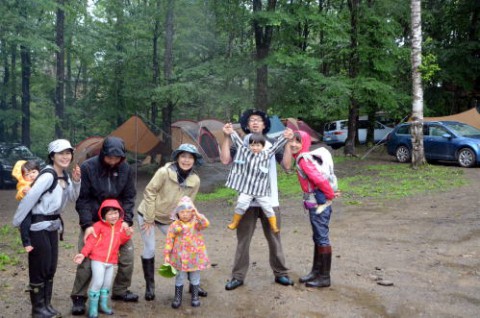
<point x="418" y="155"/>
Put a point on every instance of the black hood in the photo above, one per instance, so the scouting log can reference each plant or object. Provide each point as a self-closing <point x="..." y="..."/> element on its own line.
<point x="114" y="147"/>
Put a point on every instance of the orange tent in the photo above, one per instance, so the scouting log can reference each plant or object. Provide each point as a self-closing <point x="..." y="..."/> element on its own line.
<point x="470" y="117"/>
<point x="136" y="135"/>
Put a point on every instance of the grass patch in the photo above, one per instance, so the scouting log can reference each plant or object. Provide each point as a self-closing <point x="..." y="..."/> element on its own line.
<point x="399" y="181"/>
<point x="374" y="181"/>
<point x="11" y="246"/>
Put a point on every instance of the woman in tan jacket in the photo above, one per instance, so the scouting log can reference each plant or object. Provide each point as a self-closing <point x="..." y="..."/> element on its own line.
<point x="170" y="183"/>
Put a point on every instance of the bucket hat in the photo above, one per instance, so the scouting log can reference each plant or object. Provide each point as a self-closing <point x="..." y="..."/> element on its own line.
<point x="190" y="149"/>
<point x="246" y="116"/>
<point x="59" y="145"/>
<point x="167" y="270"/>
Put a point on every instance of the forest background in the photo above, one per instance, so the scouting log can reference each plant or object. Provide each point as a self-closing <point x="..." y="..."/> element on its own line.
<point x="80" y="68"/>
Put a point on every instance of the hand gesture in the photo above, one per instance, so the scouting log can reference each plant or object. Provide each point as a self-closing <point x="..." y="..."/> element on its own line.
<point x="129" y="231"/>
<point x="28" y="248"/>
<point x="147" y="227"/>
<point x="228" y="129"/>
<point x="288" y="133"/>
<point x="79" y="258"/>
<point x="26" y="189"/>
<point x="76" y="175"/>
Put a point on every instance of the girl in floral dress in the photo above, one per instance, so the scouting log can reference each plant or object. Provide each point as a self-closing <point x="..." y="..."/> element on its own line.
<point x="185" y="248"/>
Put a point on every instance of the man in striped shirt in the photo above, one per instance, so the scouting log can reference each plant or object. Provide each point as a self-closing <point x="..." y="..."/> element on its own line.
<point x="255" y="121"/>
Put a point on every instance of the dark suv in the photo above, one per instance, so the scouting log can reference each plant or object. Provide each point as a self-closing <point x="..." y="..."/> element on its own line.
<point x="10" y="153"/>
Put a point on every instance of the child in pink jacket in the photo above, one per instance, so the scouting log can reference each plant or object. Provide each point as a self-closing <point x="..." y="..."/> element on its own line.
<point x="185" y="248"/>
<point x="102" y="248"/>
<point x="315" y="185"/>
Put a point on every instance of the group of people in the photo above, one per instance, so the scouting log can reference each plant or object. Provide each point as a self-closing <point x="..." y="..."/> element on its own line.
<point x="103" y="190"/>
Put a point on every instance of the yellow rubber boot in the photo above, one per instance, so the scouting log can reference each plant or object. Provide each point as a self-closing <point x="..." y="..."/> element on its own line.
<point x="235" y="221"/>
<point x="273" y="224"/>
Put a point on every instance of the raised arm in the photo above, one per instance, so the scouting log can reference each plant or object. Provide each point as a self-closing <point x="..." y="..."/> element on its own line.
<point x="225" y="154"/>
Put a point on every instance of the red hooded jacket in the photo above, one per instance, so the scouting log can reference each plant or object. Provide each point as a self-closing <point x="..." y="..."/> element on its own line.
<point x="104" y="247"/>
<point x="315" y="179"/>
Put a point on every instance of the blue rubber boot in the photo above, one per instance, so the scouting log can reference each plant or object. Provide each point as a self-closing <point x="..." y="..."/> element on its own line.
<point x="104" y="295"/>
<point x="93" y="298"/>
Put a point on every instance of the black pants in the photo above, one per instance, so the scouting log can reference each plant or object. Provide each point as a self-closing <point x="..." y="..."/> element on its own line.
<point x="42" y="260"/>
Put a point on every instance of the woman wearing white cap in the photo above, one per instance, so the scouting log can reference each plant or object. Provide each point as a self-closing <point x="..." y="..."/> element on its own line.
<point x="43" y="205"/>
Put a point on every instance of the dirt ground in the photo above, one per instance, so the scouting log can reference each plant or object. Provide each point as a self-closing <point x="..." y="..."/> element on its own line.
<point x="427" y="246"/>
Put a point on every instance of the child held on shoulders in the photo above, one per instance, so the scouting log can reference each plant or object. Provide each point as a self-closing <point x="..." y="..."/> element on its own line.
<point x="249" y="174"/>
<point x="102" y="248"/>
<point x="25" y="171"/>
<point x="185" y="248"/>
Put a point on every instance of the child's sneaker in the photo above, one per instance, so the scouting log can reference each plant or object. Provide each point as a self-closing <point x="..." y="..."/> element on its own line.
<point x="322" y="207"/>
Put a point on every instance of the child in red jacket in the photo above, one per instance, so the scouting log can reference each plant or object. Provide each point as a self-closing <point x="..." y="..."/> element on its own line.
<point x="102" y="248"/>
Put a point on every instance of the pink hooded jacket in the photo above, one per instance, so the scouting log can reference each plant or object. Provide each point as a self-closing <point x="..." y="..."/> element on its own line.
<point x="315" y="180"/>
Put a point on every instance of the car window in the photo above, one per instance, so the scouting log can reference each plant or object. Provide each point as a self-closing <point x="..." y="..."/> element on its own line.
<point x="463" y="129"/>
<point x="404" y="130"/>
<point x="330" y="126"/>
<point x="363" y="124"/>
<point x="437" y="131"/>
<point x="344" y="125"/>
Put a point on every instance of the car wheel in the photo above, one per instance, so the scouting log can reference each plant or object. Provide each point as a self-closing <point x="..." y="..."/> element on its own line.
<point x="466" y="158"/>
<point x="403" y="154"/>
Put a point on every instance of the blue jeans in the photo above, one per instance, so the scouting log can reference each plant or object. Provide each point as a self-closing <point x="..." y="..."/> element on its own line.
<point x="320" y="222"/>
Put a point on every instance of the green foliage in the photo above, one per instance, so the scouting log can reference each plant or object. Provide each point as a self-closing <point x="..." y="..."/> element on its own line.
<point x="11" y="247"/>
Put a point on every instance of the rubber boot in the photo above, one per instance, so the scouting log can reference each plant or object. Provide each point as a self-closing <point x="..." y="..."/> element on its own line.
<point x="37" y="298"/>
<point x="201" y="292"/>
<point x="93" y="298"/>
<point x="195" y="298"/>
<point x="148" y="265"/>
<point x="273" y="224"/>
<point x="78" y="307"/>
<point x="48" y="298"/>
<point x="104" y="296"/>
<point x="315" y="267"/>
<point x="236" y="219"/>
<point x="177" y="301"/>
<point x="325" y="260"/>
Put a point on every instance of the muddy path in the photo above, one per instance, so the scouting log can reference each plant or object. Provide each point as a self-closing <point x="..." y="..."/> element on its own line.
<point x="427" y="246"/>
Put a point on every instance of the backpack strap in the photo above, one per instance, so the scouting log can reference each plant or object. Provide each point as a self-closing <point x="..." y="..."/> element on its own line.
<point x="55" y="179"/>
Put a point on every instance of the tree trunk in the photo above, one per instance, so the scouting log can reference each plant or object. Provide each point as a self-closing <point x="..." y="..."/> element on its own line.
<point x="59" y="90"/>
<point x="263" y="39"/>
<point x="418" y="155"/>
<point x="4" y="89"/>
<point x="168" y="73"/>
<point x="13" y="90"/>
<point x="353" y="111"/>
<point x="155" y="62"/>
<point x="26" y="74"/>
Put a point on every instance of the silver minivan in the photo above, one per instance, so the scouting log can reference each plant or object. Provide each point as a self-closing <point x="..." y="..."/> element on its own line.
<point x="335" y="132"/>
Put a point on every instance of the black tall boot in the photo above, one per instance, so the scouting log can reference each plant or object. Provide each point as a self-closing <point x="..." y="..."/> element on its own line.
<point x="48" y="298"/>
<point x="148" y="265"/>
<point x="195" y="298"/>
<point x="201" y="292"/>
<point x="37" y="298"/>
<point x="325" y="260"/>
<point x="177" y="301"/>
<point x="315" y="267"/>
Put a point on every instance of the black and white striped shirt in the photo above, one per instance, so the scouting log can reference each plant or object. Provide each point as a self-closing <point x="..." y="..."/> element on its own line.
<point x="250" y="171"/>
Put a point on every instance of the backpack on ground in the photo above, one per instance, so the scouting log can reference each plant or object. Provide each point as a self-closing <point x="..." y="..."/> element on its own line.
<point x="323" y="162"/>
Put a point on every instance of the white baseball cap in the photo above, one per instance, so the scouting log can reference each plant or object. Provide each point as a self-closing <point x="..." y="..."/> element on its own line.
<point x="59" y="145"/>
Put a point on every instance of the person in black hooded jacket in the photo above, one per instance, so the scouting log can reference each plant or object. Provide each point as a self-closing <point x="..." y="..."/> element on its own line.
<point x="106" y="176"/>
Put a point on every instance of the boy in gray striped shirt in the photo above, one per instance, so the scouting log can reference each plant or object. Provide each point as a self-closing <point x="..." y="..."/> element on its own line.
<point x="249" y="174"/>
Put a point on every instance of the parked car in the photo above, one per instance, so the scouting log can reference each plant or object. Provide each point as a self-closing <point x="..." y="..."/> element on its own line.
<point x="442" y="140"/>
<point x="335" y="132"/>
<point x="10" y="153"/>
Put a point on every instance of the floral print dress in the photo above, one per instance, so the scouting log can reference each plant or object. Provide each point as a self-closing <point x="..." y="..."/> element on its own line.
<point x="186" y="246"/>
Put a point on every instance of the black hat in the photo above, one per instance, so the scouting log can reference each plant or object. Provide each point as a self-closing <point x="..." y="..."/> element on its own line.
<point x="246" y="116"/>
